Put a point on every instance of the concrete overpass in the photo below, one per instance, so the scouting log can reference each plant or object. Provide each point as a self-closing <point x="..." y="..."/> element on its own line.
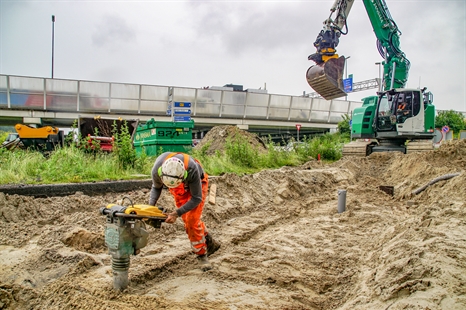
<point x="60" y="102"/>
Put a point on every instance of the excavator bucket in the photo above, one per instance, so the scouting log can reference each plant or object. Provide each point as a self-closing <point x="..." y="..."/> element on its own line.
<point x="327" y="79"/>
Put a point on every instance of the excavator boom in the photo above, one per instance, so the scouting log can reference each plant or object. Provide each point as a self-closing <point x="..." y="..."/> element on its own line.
<point x="326" y="76"/>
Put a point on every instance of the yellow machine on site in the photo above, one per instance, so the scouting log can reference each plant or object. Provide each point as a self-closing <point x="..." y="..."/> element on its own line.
<point x="126" y="234"/>
<point x="41" y="138"/>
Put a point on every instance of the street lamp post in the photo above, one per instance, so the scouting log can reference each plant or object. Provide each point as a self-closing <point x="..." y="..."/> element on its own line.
<point x="380" y="75"/>
<point x="53" y="39"/>
<point x="346" y="66"/>
<point x="346" y="73"/>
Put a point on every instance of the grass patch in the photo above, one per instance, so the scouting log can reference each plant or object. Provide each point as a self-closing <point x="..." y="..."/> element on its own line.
<point x="71" y="164"/>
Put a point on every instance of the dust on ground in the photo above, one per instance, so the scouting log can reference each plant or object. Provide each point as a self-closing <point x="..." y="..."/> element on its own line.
<point x="218" y="137"/>
<point x="284" y="245"/>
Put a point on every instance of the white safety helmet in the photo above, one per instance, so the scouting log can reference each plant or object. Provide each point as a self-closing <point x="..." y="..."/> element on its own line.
<point x="172" y="172"/>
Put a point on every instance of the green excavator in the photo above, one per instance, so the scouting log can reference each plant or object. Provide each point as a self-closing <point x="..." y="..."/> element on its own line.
<point x="397" y="118"/>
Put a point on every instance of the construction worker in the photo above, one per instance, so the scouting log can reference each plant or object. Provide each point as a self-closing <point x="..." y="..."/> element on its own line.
<point x="402" y="109"/>
<point x="188" y="183"/>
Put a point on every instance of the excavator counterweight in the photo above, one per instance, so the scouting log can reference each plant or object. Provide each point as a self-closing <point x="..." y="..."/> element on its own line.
<point x="327" y="79"/>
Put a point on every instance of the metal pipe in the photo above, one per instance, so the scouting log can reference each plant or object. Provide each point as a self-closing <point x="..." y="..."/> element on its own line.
<point x="341" y="200"/>
<point x="393" y="75"/>
<point x="53" y="39"/>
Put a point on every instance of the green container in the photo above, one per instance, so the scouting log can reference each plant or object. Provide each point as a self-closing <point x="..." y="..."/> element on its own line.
<point x="153" y="137"/>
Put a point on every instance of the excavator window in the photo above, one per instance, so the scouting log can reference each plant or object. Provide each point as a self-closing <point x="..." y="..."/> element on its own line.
<point x="416" y="103"/>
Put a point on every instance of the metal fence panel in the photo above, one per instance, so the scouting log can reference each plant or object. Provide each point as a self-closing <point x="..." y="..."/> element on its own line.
<point x="234" y="97"/>
<point x="62" y="87"/>
<point x="257" y="100"/>
<point x="94" y="89"/>
<point x="184" y="94"/>
<point x="303" y="103"/>
<point x="124" y="91"/>
<point x="124" y="105"/>
<point x="276" y="113"/>
<point x="233" y="110"/>
<point x="302" y="115"/>
<point x="155" y="107"/>
<point x="149" y="92"/>
<point x="320" y="105"/>
<point x="26" y="84"/>
<point x="56" y="102"/>
<point x="279" y="101"/>
<point x="319" y="116"/>
<point x="339" y="106"/>
<point x="208" y="96"/>
<point x="207" y="109"/>
<point x="256" y="112"/>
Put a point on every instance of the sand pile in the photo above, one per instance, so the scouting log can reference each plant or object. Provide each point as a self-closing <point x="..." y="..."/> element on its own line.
<point x="217" y="138"/>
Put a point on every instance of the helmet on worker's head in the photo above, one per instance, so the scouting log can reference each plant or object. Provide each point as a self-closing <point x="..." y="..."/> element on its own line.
<point x="172" y="172"/>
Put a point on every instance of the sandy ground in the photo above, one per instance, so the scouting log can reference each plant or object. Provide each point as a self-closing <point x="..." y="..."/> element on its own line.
<point x="284" y="245"/>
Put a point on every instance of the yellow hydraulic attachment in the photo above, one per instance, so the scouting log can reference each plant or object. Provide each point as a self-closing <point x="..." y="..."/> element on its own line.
<point x="27" y="132"/>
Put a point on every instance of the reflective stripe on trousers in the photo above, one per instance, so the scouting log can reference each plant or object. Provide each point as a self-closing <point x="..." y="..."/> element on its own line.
<point x="194" y="226"/>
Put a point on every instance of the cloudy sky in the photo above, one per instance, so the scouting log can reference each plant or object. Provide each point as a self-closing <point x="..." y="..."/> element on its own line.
<point x="212" y="43"/>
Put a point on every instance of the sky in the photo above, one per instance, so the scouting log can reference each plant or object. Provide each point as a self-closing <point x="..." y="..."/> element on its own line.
<point x="257" y="44"/>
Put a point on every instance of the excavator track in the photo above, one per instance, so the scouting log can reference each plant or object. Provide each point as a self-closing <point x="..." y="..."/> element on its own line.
<point x="414" y="146"/>
<point x="356" y="148"/>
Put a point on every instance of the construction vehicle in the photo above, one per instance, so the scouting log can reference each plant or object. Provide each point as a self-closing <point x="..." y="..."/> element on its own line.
<point x="12" y="141"/>
<point x="98" y="131"/>
<point x="126" y="234"/>
<point x="382" y="123"/>
<point x="43" y="139"/>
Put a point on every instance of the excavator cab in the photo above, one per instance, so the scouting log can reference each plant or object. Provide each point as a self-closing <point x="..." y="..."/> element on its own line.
<point x="327" y="78"/>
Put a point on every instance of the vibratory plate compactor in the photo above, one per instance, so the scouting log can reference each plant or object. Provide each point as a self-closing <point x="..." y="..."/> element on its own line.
<point x="126" y="235"/>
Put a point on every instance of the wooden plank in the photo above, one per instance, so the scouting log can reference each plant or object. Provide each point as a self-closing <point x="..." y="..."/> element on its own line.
<point x="213" y="193"/>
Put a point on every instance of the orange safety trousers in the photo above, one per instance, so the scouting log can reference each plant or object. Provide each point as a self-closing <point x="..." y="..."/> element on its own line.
<point x="194" y="226"/>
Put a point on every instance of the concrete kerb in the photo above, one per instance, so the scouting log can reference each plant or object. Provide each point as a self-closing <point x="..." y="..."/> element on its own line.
<point x="90" y="188"/>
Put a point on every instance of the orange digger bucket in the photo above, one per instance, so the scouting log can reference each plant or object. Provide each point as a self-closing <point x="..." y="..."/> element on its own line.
<point x="327" y="79"/>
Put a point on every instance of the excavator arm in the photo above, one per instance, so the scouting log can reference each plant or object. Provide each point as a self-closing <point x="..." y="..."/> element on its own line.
<point x="396" y="65"/>
<point x="326" y="76"/>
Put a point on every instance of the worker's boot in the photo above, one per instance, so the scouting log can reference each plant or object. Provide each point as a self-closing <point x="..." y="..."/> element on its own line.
<point x="212" y="245"/>
<point x="204" y="263"/>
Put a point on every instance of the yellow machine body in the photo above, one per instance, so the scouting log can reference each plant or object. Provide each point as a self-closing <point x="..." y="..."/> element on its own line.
<point x="142" y="210"/>
<point x="27" y="132"/>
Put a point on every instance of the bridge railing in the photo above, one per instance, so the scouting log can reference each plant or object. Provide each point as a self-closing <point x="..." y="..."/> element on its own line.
<point x="36" y="93"/>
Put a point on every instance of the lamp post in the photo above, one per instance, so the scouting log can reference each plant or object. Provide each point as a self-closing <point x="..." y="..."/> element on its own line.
<point x="380" y="75"/>
<point x="53" y="39"/>
<point x="346" y="66"/>
<point x="346" y="73"/>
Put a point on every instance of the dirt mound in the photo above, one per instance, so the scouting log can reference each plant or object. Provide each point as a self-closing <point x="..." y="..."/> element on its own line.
<point x="216" y="139"/>
<point x="284" y="244"/>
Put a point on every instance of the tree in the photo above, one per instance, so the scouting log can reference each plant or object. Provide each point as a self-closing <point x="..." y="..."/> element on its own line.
<point x="344" y="126"/>
<point x="454" y="120"/>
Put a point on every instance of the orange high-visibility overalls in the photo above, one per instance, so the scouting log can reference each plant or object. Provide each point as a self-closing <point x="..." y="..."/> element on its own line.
<point x="194" y="226"/>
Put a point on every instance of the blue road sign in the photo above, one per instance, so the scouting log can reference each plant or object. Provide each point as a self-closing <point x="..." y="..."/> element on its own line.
<point x="169" y="112"/>
<point x="182" y="104"/>
<point x="182" y="112"/>
<point x="348" y="84"/>
<point x="181" y="118"/>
